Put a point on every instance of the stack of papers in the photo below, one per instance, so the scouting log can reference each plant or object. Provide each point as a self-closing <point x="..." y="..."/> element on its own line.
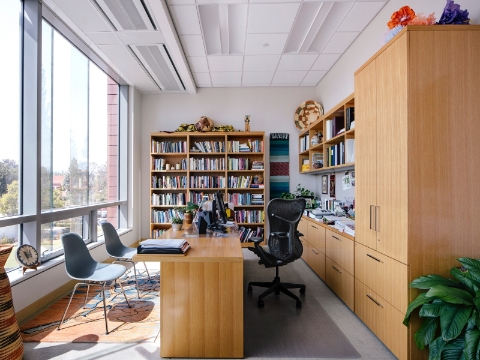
<point x="163" y="246"/>
<point x="350" y="229"/>
<point x="341" y="225"/>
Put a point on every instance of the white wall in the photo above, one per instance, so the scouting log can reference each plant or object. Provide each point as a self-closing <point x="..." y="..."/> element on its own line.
<point x="271" y="109"/>
<point x="338" y="82"/>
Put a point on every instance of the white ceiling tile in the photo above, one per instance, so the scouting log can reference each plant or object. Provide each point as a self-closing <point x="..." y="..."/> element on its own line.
<point x="226" y="78"/>
<point x="340" y="42"/>
<point x="297" y="62"/>
<point x="181" y="2"/>
<point x="140" y="37"/>
<point x="84" y="15"/>
<point x="186" y="19"/>
<point x="237" y="26"/>
<point x="313" y="77"/>
<point x="325" y="61"/>
<point x="271" y="18"/>
<point x="104" y="38"/>
<point x="255" y="44"/>
<point x="257" y="77"/>
<point x="289" y="77"/>
<point x="305" y="23"/>
<point x="225" y="63"/>
<point x="202" y="79"/>
<point x="260" y="62"/>
<point x="360" y="16"/>
<point x="276" y="1"/>
<point x="222" y="1"/>
<point x="198" y="64"/>
<point x="193" y="45"/>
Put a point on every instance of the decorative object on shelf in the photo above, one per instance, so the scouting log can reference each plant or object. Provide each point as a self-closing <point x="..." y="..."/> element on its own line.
<point x="192" y="128"/>
<point x="324" y="184"/>
<point x="27" y="257"/>
<point x="204" y="124"/>
<point x="316" y="138"/>
<point x="453" y="15"/>
<point x="406" y="16"/>
<point x="317" y="161"/>
<point x="247" y="123"/>
<point x="258" y="179"/>
<point x="449" y="305"/>
<point x="307" y="113"/>
<point x="10" y="339"/>
<point x="332" y="185"/>
<point x="279" y="164"/>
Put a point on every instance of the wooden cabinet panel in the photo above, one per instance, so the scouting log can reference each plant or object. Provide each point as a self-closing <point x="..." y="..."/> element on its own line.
<point x="306" y="249"/>
<point x="341" y="282"/>
<point x="317" y="262"/>
<point x="386" y="276"/>
<point x="365" y="155"/>
<point x="340" y="250"/>
<point x="316" y="236"/>
<point x="303" y="226"/>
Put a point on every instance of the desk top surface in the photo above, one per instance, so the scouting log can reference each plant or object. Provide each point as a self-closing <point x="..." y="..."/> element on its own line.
<point x="203" y="248"/>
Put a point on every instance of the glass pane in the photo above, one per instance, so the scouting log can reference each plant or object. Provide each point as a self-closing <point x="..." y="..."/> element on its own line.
<point x="9" y="235"/>
<point x="110" y="215"/>
<point x="52" y="233"/>
<point x="10" y="101"/>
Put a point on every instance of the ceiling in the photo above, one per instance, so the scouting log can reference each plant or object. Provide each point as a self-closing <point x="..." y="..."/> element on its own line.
<point x="184" y="44"/>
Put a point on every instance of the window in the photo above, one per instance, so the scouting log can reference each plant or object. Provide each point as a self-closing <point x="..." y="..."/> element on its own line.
<point x="53" y="231"/>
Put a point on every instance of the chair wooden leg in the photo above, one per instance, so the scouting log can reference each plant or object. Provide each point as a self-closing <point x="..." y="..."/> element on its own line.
<point x="68" y="305"/>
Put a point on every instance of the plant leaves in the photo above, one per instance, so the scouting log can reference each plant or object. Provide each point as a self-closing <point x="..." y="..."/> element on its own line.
<point x="428" y="281"/>
<point x="435" y="349"/>
<point x="426" y="332"/>
<point x="472" y="339"/>
<point x="472" y="265"/>
<point x="453" y="319"/>
<point x="418" y="301"/>
<point x="453" y="350"/>
<point x="451" y="295"/>
<point x="466" y="279"/>
<point x="431" y="310"/>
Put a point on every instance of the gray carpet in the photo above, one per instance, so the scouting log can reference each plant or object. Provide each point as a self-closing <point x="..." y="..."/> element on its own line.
<point x="281" y="330"/>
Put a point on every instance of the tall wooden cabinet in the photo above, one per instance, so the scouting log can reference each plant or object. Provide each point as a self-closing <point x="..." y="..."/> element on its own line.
<point x="417" y="160"/>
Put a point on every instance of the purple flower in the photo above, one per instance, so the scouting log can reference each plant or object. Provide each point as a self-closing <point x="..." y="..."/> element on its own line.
<point x="453" y="15"/>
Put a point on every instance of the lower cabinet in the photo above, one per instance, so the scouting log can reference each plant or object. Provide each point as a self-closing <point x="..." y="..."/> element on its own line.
<point x="340" y="281"/>
<point x="316" y="260"/>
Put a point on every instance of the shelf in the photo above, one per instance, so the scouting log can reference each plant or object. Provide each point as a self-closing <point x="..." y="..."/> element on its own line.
<point x="206" y="153"/>
<point x="335" y="140"/>
<point x="168" y="154"/>
<point x="330" y="169"/>
<point x="247" y="171"/>
<point x="165" y="206"/>
<point x="245" y="152"/>
<point x="304" y="152"/>
<point x="231" y="189"/>
<point x="168" y="171"/>
<point x="208" y="171"/>
<point x="170" y="189"/>
<point x="316" y="147"/>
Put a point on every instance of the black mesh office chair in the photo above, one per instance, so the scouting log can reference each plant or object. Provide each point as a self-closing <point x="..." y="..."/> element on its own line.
<point x="284" y="246"/>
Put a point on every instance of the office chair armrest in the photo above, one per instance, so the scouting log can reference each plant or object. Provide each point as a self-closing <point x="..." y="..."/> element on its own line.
<point x="256" y="240"/>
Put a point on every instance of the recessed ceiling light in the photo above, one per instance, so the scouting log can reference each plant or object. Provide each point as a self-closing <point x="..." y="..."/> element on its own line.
<point x="266" y="45"/>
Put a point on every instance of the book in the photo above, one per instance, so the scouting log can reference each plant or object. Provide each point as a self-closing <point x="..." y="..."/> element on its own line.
<point x="349" y="150"/>
<point x="350" y="114"/>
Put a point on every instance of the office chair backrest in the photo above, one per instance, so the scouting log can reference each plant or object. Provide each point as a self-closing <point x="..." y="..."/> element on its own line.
<point x="78" y="261"/>
<point x="291" y="210"/>
<point x="112" y="240"/>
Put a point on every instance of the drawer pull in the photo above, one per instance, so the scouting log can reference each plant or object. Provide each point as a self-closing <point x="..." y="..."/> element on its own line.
<point x="313" y="226"/>
<point x="375" y="301"/>
<point x="374" y="258"/>
<point x="314" y="252"/>
<point x="336" y="238"/>
<point x="336" y="269"/>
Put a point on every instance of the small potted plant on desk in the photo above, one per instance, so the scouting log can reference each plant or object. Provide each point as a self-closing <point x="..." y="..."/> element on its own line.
<point x="187" y="212"/>
<point x="177" y="223"/>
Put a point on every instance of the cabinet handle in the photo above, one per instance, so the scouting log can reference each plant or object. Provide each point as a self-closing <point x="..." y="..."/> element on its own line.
<point x="336" y="269"/>
<point x="314" y="227"/>
<point x="336" y="238"/>
<point x="377" y="218"/>
<point x="375" y="301"/>
<point x="374" y="258"/>
<point x="314" y="252"/>
<point x="371" y="217"/>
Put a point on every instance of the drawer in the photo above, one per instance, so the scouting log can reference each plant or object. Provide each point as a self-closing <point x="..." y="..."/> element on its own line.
<point x="316" y="236"/>
<point x="382" y="318"/>
<point x="340" y="250"/>
<point x="306" y="249"/>
<point x="317" y="261"/>
<point x="303" y="226"/>
<point x="341" y="282"/>
<point x="385" y="276"/>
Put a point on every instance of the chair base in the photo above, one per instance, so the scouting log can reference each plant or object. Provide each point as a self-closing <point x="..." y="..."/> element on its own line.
<point x="278" y="287"/>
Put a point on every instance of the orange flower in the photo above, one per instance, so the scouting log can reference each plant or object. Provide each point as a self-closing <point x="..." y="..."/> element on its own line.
<point x="401" y="17"/>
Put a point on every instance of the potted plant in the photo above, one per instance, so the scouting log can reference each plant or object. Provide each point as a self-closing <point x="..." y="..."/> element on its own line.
<point x="177" y="223"/>
<point x="287" y="195"/>
<point x="305" y="193"/>
<point x="187" y="212"/>
<point x="450" y="312"/>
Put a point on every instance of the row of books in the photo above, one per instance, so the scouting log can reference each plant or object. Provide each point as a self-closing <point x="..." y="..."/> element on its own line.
<point x="159" y="147"/>
<point x="249" y="146"/>
<point x="205" y="182"/>
<point x="258" y="165"/>
<point x="210" y="146"/>
<point x="156" y="233"/>
<point x="169" y="199"/>
<point x="198" y="196"/>
<point x="245" y="199"/>
<point x="164" y="216"/>
<point x="159" y="164"/>
<point x="169" y="182"/>
<point x="246" y="233"/>
<point x="238" y="163"/>
<point x="249" y="216"/>
<point x="207" y="164"/>
<point x="334" y="127"/>
<point x="341" y="153"/>
<point x="239" y="182"/>
<point x="349" y="117"/>
<point x="305" y="143"/>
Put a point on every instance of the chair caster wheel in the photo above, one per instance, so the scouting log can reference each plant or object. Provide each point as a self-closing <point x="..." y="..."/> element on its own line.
<point x="302" y="290"/>
<point x="249" y="289"/>
<point x="299" y="304"/>
<point x="261" y="304"/>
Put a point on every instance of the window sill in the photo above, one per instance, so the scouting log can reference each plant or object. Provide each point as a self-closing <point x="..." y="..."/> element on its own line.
<point x="16" y="277"/>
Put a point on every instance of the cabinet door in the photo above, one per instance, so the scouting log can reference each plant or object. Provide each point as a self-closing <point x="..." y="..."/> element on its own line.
<point x="317" y="262"/>
<point x="340" y="250"/>
<point x="316" y="236"/>
<point x="365" y="155"/>
<point x="306" y="249"/>
<point x="303" y="226"/>
<point x="392" y="116"/>
<point x="341" y="282"/>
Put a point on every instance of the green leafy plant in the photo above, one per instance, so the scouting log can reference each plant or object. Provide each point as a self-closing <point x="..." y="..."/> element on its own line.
<point x="177" y="220"/>
<point x="450" y="310"/>
<point x="188" y="209"/>
<point x="302" y="192"/>
<point x="287" y="195"/>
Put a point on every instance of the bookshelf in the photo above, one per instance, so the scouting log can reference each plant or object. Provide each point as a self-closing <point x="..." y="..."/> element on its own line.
<point x="188" y="166"/>
<point x="334" y="149"/>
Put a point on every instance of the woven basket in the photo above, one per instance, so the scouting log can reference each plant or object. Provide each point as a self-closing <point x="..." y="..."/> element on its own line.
<point x="11" y="345"/>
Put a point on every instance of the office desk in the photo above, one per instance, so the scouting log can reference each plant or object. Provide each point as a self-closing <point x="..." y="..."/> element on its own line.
<point x="201" y="302"/>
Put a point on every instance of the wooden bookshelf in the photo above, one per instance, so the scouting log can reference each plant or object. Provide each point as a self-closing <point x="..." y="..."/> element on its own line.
<point x="219" y="166"/>
<point x="335" y="149"/>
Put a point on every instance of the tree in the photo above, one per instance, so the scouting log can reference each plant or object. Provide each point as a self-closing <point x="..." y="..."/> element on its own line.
<point x="8" y="174"/>
<point x="9" y="200"/>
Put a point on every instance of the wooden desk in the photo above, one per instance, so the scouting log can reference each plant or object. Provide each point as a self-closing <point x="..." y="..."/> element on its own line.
<point x="201" y="302"/>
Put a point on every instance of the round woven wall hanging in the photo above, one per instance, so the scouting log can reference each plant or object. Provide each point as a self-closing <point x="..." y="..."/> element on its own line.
<point x="307" y="113"/>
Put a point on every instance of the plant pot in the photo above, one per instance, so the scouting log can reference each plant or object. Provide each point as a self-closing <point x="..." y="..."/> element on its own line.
<point x="12" y="345"/>
<point x="176" y="226"/>
<point x="187" y="218"/>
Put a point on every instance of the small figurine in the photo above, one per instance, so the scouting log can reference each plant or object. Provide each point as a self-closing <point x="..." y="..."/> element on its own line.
<point x="247" y="122"/>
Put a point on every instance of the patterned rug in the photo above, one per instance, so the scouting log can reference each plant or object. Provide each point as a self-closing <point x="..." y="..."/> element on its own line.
<point x="138" y="323"/>
<point x="279" y="164"/>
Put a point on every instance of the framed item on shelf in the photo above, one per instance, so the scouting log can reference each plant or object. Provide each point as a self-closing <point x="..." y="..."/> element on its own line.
<point x="325" y="184"/>
<point x="332" y="185"/>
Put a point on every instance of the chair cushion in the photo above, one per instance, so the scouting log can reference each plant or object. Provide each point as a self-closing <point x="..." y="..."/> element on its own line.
<point x="105" y="272"/>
